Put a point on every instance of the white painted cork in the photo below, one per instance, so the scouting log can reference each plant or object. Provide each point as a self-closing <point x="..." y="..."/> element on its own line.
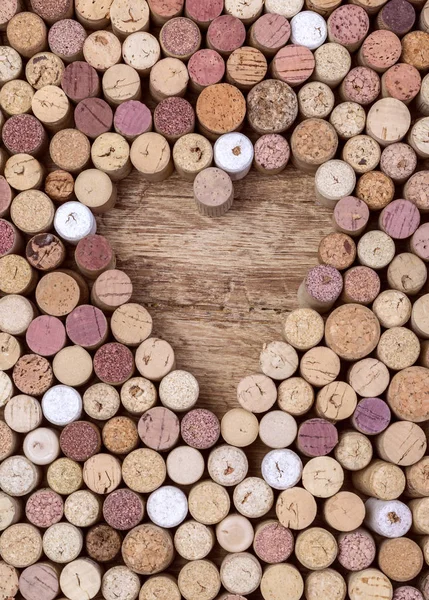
<point x="389" y="518"/>
<point x="253" y="497"/>
<point x="61" y="405"/>
<point x="334" y="180"/>
<point x="185" y="465"/>
<point x="286" y="8"/>
<point x="167" y="506"/>
<point x="62" y="542"/>
<point x="281" y="469"/>
<point x="227" y="465"/>
<point x="73" y="221"/>
<point x="308" y="29"/>
<point x="179" y="390"/>
<point x="233" y="152"/>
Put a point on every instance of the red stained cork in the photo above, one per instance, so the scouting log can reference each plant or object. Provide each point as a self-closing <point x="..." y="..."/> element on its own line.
<point x="87" y="326"/>
<point x="123" y="509"/>
<point x="293" y="64"/>
<point x="113" y="363"/>
<point x="46" y="335"/>
<point x="24" y="134"/>
<point x="400" y="219"/>
<point x="132" y="118"/>
<point x="180" y="37"/>
<point x="80" y="440"/>
<point x="371" y="416"/>
<point x="273" y="543"/>
<point x="94" y="253"/>
<point x="361" y="285"/>
<point x="356" y="550"/>
<point x="159" y="428"/>
<point x="39" y="581"/>
<point x="226" y="34"/>
<point x="317" y="437"/>
<point x="272" y="152"/>
<point x="66" y="38"/>
<point x="200" y="428"/>
<point x="44" y="508"/>
<point x="174" y="117"/>
<point x="52" y="10"/>
<point x="7" y="237"/>
<point x="380" y="50"/>
<point x="398" y="16"/>
<point x="203" y="11"/>
<point x="407" y="592"/>
<point x="348" y="26"/>
<point x="401" y="81"/>
<point x="6" y="196"/>
<point x="270" y="32"/>
<point x="93" y="116"/>
<point x="206" y="67"/>
<point x="361" y="85"/>
<point x="324" y="283"/>
<point x="80" y="81"/>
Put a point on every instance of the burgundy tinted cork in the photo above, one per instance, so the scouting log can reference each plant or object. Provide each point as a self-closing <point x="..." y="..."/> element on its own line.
<point x="398" y="16"/>
<point x="39" y="581"/>
<point x="351" y="215"/>
<point x="356" y="550"/>
<point x="221" y="108"/>
<point x="399" y="162"/>
<point x="337" y="250"/>
<point x="52" y="11"/>
<point x="269" y="33"/>
<point x="317" y="437"/>
<point x="348" y="26"/>
<point x="293" y="64"/>
<point x="203" y="12"/>
<point x="159" y="428"/>
<point x="415" y="49"/>
<point x="225" y="34"/>
<point x="6" y="196"/>
<point x="46" y="335"/>
<point x="45" y="252"/>
<point x="361" y="285"/>
<point x="24" y="134"/>
<point x="33" y="375"/>
<point x="272" y="154"/>
<point x="180" y="38"/>
<point x="361" y="85"/>
<point x="44" y="508"/>
<point x="380" y="51"/>
<point x="273" y="542"/>
<point x="173" y="118"/>
<point x="10" y="238"/>
<point x="103" y="543"/>
<point x="372" y="416"/>
<point x="80" y="81"/>
<point x="94" y="255"/>
<point x="132" y="118"/>
<point x="80" y="440"/>
<point x="407" y="592"/>
<point x="66" y="39"/>
<point x="113" y="363"/>
<point x="87" y="326"/>
<point x="93" y="117"/>
<point x="321" y="288"/>
<point x="111" y="289"/>
<point x="123" y="509"/>
<point x="352" y="331"/>
<point x="400" y="219"/>
<point x="206" y="67"/>
<point x="200" y="428"/>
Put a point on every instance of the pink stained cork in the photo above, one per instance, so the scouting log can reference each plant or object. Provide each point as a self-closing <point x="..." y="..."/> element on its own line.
<point x="174" y="117"/>
<point x="317" y="437"/>
<point x="420" y="242"/>
<point x="113" y="363"/>
<point x="94" y="254"/>
<point x="7" y="237"/>
<point x="66" y="39"/>
<point x="398" y="161"/>
<point x="351" y="215"/>
<point x="200" y="428"/>
<point x="203" y="12"/>
<point x="324" y="283"/>
<point x="24" y="134"/>
<point x="270" y="33"/>
<point x="159" y="428"/>
<point x="293" y="64"/>
<point x="273" y="543"/>
<point x="132" y="118"/>
<point x="348" y="25"/>
<point x="272" y="153"/>
<point x="6" y="197"/>
<point x="206" y="67"/>
<point x="371" y="416"/>
<point x="80" y="440"/>
<point x="361" y="285"/>
<point x="400" y="219"/>
<point x="52" y="10"/>
<point x="123" y="509"/>
<point x="361" y="85"/>
<point x="44" y="508"/>
<point x="80" y="81"/>
<point x="402" y="82"/>
<point x="93" y="116"/>
<point x="356" y="550"/>
<point x="39" y="581"/>
<point x="380" y="50"/>
<point x="46" y="335"/>
<point x="407" y="592"/>
<point x="87" y="326"/>
<point x="398" y="16"/>
<point x="225" y="34"/>
<point x="180" y="37"/>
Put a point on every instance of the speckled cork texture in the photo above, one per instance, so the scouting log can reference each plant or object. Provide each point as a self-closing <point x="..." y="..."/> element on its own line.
<point x="221" y="108"/>
<point x="352" y="331"/>
<point x="147" y="549"/>
<point x="361" y="85"/>
<point x="313" y="142"/>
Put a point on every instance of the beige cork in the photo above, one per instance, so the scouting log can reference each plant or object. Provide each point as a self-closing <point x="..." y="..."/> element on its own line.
<point x="9" y="441"/>
<point x="168" y="77"/>
<point x="16" y="97"/>
<point x="336" y="401"/>
<point x="417" y="480"/>
<point x="191" y="576"/>
<point x="408" y="396"/>
<point x="376" y="189"/>
<point x="213" y="192"/>
<point x="93" y="14"/>
<point x="316" y="548"/>
<point x="120" y="583"/>
<point x="101" y="401"/>
<point x="95" y="189"/>
<point x="155" y="359"/>
<point x="399" y="162"/>
<point x="120" y="435"/>
<point x="278" y="360"/>
<point x="352" y="331"/>
<point x="369" y="582"/>
<point x="333" y="62"/>
<point x="253" y="497"/>
<point x="398" y="348"/>
<point x="70" y="150"/>
<point x="62" y="542"/>
<point x="327" y="582"/>
<point x="138" y="395"/>
<point x="376" y="249"/>
<point x="102" y="473"/>
<point x="277" y="429"/>
<point x="193" y="540"/>
<point x="239" y="427"/>
<point x="57" y="294"/>
<point x="369" y="377"/>
<point x="102" y="50"/>
<point x="11" y="64"/>
<point x="10" y="351"/>
<point x="131" y="324"/>
<point x="227" y="465"/>
<point x="111" y="289"/>
<point x="23" y="413"/>
<point x="415" y="190"/>
<point x="335" y="179"/>
<point x="24" y="172"/>
<point x="420" y="510"/>
<point x="220" y="109"/>
<point x="422" y="100"/>
<point x="272" y="107"/>
<point x="10" y="512"/>
<point x="27" y="34"/>
<point x="122" y="24"/>
<point x="110" y="153"/>
<point x="313" y="142"/>
<point x="16" y="275"/>
<point x="296" y="508"/>
<point x="19" y="476"/>
<point x="161" y="587"/>
<point x="32" y="212"/>
<point x="323" y="476"/>
<point x="144" y="470"/>
<point x="320" y="366"/>
<point x="52" y="107"/>
<point x="401" y="559"/>
<point x="388" y="121"/>
<point x="380" y="479"/>
<point x="33" y="375"/>
<point x="295" y="396"/>
<point x="420" y="317"/>
<point x="21" y="545"/>
<point x="282" y="582"/>
<point x="246" y="67"/>
<point x="81" y="574"/>
<point x="240" y="573"/>
<point x="121" y="83"/>
<point x="303" y="328"/>
<point x="393" y="309"/>
<point x="348" y="119"/>
<point x="43" y="69"/>
<point x="148" y="549"/>
<point x="185" y="465"/>
<point x="337" y="250"/>
<point x="424" y="545"/>
<point x="192" y="153"/>
<point x="353" y="451"/>
<point x="418" y="137"/>
<point x="344" y="511"/>
<point x="64" y="476"/>
<point x="209" y="502"/>
<point x="407" y="273"/>
<point x="16" y="314"/>
<point x="256" y="393"/>
<point x="141" y="50"/>
<point x="402" y="443"/>
<point x="151" y="156"/>
<point x="415" y="49"/>
<point x="362" y="152"/>
<point x="83" y="508"/>
<point x="315" y="99"/>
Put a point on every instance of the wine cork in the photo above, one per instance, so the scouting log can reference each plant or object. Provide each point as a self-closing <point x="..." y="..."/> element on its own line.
<point x="407" y="591"/>
<point x="185" y="465"/>
<point x="415" y="49"/>
<point x="24" y="134"/>
<point x="16" y="97"/>
<point x="135" y="551"/>
<point x="11" y="64"/>
<point x="407" y="273"/>
<point x="418" y="242"/>
<point x="10" y="351"/>
<point x="360" y="85"/>
<point x="422" y="101"/>
<point x="206" y="67"/>
<point x="131" y="119"/>
<point x="23" y="413"/>
<point x="138" y="395"/>
<point x="94" y="254"/>
<point x="380" y="50"/>
<point x="52" y="107"/>
<point x="32" y="212"/>
<point x="369" y="480"/>
<point x="369" y="581"/>
<point x="273" y="116"/>
<point x="362" y="153"/>
<point x="239" y="427"/>
<point x="313" y="142"/>
<point x="256" y="393"/>
<point x="348" y="119"/>
<point x="390" y="519"/>
<point x="57" y="294"/>
<point x="174" y="118"/>
<point x="415" y="190"/>
<point x="120" y="435"/>
<point x="80" y="440"/>
<point x="66" y="39"/>
<point x="23" y="172"/>
<point x="376" y="189"/>
<point x="397" y="16"/>
<point x="402" y="443"/>
<point x="16" y="314"/>
<point x="398" y="348"/>
<point x="246" y="67"/>
<point x="82" y="573"/>
<point x="287" y="508"/>
<point x="151" y="156"/>
<point x="80" y="81"/>
<point x="333" y="62"/>
<point x="316" y="437"/>
<point x="193" y="540"/>
<point x="225" y="34"/>
<point x="10" y="512"/>
<point x="43" y="69"/>
<point x="336" y="401"/>
<point x="356" y="550"/>
<point x="316" y="548"/>
<point x="227" y="465"/>
<point x="269" y="33"/>
<point x="293" y="64"/>
<point x="353" y="451"/>
<point x="322" y="476"/>
<point x="101" y="401"/>
<point x="21" y="545"/>
<point x="315" y="99"/>
<point x="168" y="77"/>
<point x="405" y="406"/>
<point x="167" y="506"/>
<point x="113" y="363"/>
<point x="247" y="14"/>
<point x="103" y="543"/>
<point x="27" y="34"/>
<point x="159" y="428"/>
<point x="123" y="509"/>
<point x="271" y="154"/>
<point x="62" y="542"/>
<point x="73" y="366"/>
<point x="180" y="38"/>
<point x="41" y="446"/>
<point x="233" y="153"/>
<point x="155" y="359"/>
<point x="131" y="324"/>
<point x="308" y="29"/>
<point x="419" y="318"/>
<point x="281" y="469"/>
<point x="388" y="121"/>
<point x="253" y="497"/>
<point x="220" y="109"/>
<point x="416" y="480"/>
<point x="64" y="476"/>
<point x="419" y="508"/>
<point x="32" y="375"/>
<point x="120" y="583"/>
<point x="277" y="429"/>
<point x="121" y="83"/>
<point x="179" y="391"/>
<point x="102" y="473"/>
<point x="344" y="512"/>
<point x="240" y="573"/>
<point x="209" y="502"/>
<point x="59" y="186"/>
<point x="376" y="250"/>
<point x="348" y="26"/>
<point x="372" y="415"/>
<point x="141" y="51"/>
<point x="273" y="543"/>
<point x="303" y="329"/>
<point x="9" y="10"/>
<point x="111" y="289"/>
<point x="18" y="476"/>
<point x="326" y="581"/>
<point x="417" y="137"/>
<point x="401" y="81"/>
<point x="411" y="561"/>
<point x="344" y="329"/>
<point x="213" y="192"/>
<point x="194" y="572"/>
<point x="122" y="24"/>
<point x="102" y="50"/>
<point x="398" y="161"/>
<point x="361" y="285"/>
<point x="320" y="289"/>
<point x="320" y="366"/>
<point x="70" y="150"/>
<point x="9" y="442"/>
<point x="281" y="582"/>
<point x="6" y="197"/>
<point x="93" y="15"/>
<point x="144" y="470"/>
<point x="16" y="275"/>
<point x="392" y="308"/>
<point x="93" y="117"/>
<point x="53" y="11"/>
<point x="334" y="180"/>
<point x="62" y="404"/>
<point x="192" y="153"/>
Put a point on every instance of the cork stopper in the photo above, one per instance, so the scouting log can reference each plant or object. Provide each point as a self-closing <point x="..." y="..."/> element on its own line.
<point x="102" y="50"/>
<point x="316" y="548"/>
<point x="326" y="486"/>
<point x="27" y="34"/>
<point x="122" y="25"/>
<point x="213" y="192"/>
<point x="123" y="509"/>
<point x="168" y="77"/>
<point x="174" y="118"/>
<point x="308" y="29"/>
<point x="368" y="480"/>
<point x="44" y="68"/>
<point x="283" y="580"/>
<point x="320" y="366"/>
<point x="120" y="84"/>
<point x="82" y="508"/>
<point x="62" y="542"/>
<point x="327" y="405"/>
<point x="405" y="406"/>
<point x="388" y="121"/>
<point x="417" y="137"/>
<point x="256" y="393"/>
<point x="372" y="414"/>
<point x="16" y="314"/>
<point x="80" y="440"/>
<point x="398" y="348"/>
<point x="101" y="401"/>
<point x="59" y="186"/>
<point x="10" y="351"/>
<point x="398" y="161"/>
<point x="220" y="109"/>
<point x="356" y="550"/>
<point x="151" y="156"/>
<point x="116" y="163"/>
<point x="227" y="465"/>
<point x="402" y="443"/>
<point x="180" y="38"/>
<point x="361" y="285"/>
<point x="407" y="273"/>
<point x="66" y="39"/>
<point x="362" y="153"/>
<point x="57" y="294"/>
<point x="11" y="64"/>
<point x="103" y="543"/>
<point x="277" y="429"/>
<point x="253" y="497"/>
<point x="16" y="275"/>
<point x="317" y="437"/>
<point x="352" y="331"/>
<point x="293" y="64"/>
<point x="6" y="197"/>
<point x="159" y="428"/>
<point x="303" y="328"/>
<point x="87" y="326"/>
<point x="333" y="62"/>
<point x="114" y="363"/>
<point x="167" y="506"/>
<point x="348" y="26"/>
<point x="233" y="153"/>
<point x="148" y="549"/>
<point x="10" y="512"/>
<point x="70" y="150"/>
<point x="321" y="288"/>
<point x="120" y="582"/>
<point x="32" y="212"/>
<point x="131" y="119"/>
<point x="376" y="249"/>
<point x="21" y="545"/>
<point x="138" y="395"/>
<point x="337" y="250"/>
<point x="344" y="511"/>
<point x="246" y="67"/>
<point x="393" y="308"/>
<point x="52" y="107"/>
<point x="64" y="476"/>
<point x="313" y="142"/>
<point x="23" y="413"/>
<point x="23" y="172"/>
<point x="194" y="572"/>
<point x="93" y="117"/>
<point x="41" y="446"/>
<point x="361" y="85"/>
<point x="225" y="34"/>
<point x="415" y="49"/>
<point x="16" y="97"/>
<point x="272" y="154"/>
<point x="273" y="542"/>
<point x="185" y="465"/>
<point x="369" y="581"/>
<point x="102" y="473"/>
<point x="400" y="570"/>
<point x="348" y="119"/>
<point x="141" y="50"/>
<point x="44" y="508"/>
<point x="235" y="533"/>
<point x="62" y="404"/>
<point x="209" y="502"/>
<point x="353" y="451"/>
<point x="327" y="581"/>
<point x="111" y="289"/>
<point x="80" y="81"/>
<point x="423" y="97"/>
<point x="144" y="470"/>
<point x="81" y="572"/>
<point x="281" y="468"/>
<point x="240" y="573"/>
<point x="401" y="81"/>
<point x="419" y="507"/>
<point x="380" y="50"/>
<point x="335" y="179"/>
<point x="269" y="33"/>
<point x="192" y="153"/>
<point x="120" y="435"/>
<point x="9" y="440"/>
<point x="193" y="540"/>
<point x="32" y="375"/>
